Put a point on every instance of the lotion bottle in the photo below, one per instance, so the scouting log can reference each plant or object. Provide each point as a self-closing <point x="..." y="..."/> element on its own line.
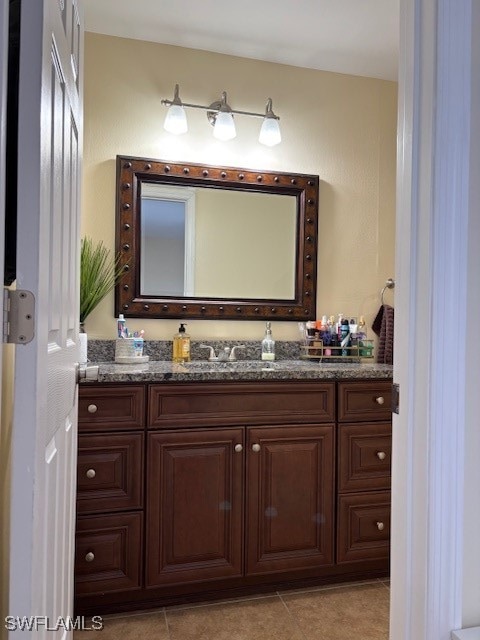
<point x="268" y="344"/>
<point x="181" y="345"/>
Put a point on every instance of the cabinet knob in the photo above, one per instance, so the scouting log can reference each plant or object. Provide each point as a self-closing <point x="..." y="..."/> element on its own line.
<point x="90" y="557"/>
<point x="238" y="448"/>
<point x="92" y="408"/>
<point x="380" y="526"/>
<point x="256" y="448"/>
<point x="91" y="473"/>
<point x="381" y="455"/>
<point x="380" y="400"/>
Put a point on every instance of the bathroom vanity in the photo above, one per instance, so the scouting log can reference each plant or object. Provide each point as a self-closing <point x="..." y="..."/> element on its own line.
<point x="197" y="484"/>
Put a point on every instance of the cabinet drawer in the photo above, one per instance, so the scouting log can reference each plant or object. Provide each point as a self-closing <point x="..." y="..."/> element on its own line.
<point x="240" y="404"/>
<point x="118" y="408"/>
<point x="360" y="401"/>
<point x="364" y="456"/>
<point x="110" y="472"/>
<point x="363" y="527"/>
<point x="108" y="553"/>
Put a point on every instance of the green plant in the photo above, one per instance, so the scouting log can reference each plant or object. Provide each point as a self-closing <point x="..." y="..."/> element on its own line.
<point x="99" y="273"/>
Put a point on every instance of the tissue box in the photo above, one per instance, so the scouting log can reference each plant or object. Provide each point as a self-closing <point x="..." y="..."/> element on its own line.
<point x="129" y="351"/>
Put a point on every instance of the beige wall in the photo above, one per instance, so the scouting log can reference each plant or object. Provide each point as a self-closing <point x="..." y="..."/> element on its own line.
<point x="244" y="244"/>
<point x="340" y="127"/>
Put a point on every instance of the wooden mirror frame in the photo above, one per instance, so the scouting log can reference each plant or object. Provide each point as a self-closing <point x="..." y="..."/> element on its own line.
<point x="132" y="171"/>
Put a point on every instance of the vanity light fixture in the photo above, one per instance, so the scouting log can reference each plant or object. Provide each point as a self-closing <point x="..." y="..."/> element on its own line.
<point x="176" y="119"/>
<point x="220" y="116"/>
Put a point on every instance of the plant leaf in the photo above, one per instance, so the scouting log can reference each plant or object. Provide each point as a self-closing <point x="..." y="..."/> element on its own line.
<point x="99" y="273"/>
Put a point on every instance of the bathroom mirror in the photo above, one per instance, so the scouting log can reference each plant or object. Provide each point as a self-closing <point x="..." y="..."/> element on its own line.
<point x="199" y="241"/>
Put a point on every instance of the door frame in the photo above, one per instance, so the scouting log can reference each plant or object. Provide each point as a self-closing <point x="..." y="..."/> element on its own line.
<point x="4" y="449"/>
<point x="435" y="578"/>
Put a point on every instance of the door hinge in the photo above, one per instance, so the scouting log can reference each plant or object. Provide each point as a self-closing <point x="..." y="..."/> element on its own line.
<point x="18" y="316"/>
<point x="395" y="397"/>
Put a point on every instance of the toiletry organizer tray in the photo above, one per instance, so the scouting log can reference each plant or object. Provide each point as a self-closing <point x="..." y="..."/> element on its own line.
<point x="317" y="350"/>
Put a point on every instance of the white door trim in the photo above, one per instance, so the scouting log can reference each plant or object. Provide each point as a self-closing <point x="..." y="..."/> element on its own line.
<point x="3" y="133"/>
<point x="434" y="347"/>
<point x="4" y="497"/>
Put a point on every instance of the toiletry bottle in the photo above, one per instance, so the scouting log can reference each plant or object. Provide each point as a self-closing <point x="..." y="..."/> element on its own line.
<point x="362" y="336"/>
<point x="345" y="337"/>
<point x="181" y="345"/>
<point x="121" y="326"/>
<point x="268" y="344"/>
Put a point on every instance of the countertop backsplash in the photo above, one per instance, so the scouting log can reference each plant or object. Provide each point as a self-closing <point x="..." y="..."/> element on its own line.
<point x="104" y="350"/>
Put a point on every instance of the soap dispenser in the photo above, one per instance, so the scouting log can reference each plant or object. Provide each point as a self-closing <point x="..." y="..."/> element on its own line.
<point x="181" y="345"/>
<point x="268" y="344"/>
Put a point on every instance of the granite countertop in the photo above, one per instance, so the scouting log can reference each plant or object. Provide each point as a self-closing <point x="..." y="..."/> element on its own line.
<point x="241" y="370"/>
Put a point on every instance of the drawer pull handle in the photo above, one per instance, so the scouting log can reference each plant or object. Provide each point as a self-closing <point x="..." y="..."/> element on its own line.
<point x="380" y="400"/>
<point x="238" y="448"/>
<point x="256" y="448"/>
<point x="90" y="557"/>
<point x="91" y="473"/>
<point x="92" y="408"/>
<point x="381" y="455"/>
<point x="380" y="526"/>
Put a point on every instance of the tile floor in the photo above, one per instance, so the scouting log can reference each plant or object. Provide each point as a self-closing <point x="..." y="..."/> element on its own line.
<point x="338" y="612"/>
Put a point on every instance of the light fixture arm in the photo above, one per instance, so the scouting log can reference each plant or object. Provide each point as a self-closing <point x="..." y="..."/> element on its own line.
<point x="268" y="113"/>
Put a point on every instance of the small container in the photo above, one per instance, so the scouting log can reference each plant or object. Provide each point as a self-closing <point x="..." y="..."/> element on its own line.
<point x="268" y="344"/>
<point x="129" y="351"/>
<point x="181" y="346"/>
<point x="138" y="347"/>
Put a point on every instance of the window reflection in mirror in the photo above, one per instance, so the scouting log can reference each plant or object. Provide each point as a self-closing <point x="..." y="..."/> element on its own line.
<point x="206" y="242"/>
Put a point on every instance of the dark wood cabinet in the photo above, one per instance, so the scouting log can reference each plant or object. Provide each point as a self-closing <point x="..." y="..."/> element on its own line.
<point x="192" y="490"/>
<point x="110" y="479"/>
<point x="364" y="460"/>
<point x="363" y="526"/>
<point x="110" y="472"/>
<point x="196" y="494"/>
<point x="364" y="456"/>
<point x="118" y="408"/>
<point x="290" y="490"/>
<point x="195" y="506"/>
<point x="108" y="553"/>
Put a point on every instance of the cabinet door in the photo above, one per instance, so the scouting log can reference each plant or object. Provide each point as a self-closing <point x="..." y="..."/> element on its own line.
<point x="195" y="505"/>
<point x="290" y="498"/>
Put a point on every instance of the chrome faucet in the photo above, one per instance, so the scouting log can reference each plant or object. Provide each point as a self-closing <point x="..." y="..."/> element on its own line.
<point x="224" y="355"/>
<point x="232" y="352"/>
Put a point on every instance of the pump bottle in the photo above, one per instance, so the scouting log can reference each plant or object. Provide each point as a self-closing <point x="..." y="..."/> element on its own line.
<point x="181" y="345"/>
<point x="268" y="344"/>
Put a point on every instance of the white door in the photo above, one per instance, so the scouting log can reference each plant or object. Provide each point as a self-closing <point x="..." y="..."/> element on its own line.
<point x="3" y="126"/>
<point x="45" y="404"/>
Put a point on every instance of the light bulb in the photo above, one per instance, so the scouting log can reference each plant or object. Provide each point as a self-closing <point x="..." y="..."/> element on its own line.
<point x="224" y="128"/>
<point x="176" y="120"/>
<point x="270" y="132"/>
